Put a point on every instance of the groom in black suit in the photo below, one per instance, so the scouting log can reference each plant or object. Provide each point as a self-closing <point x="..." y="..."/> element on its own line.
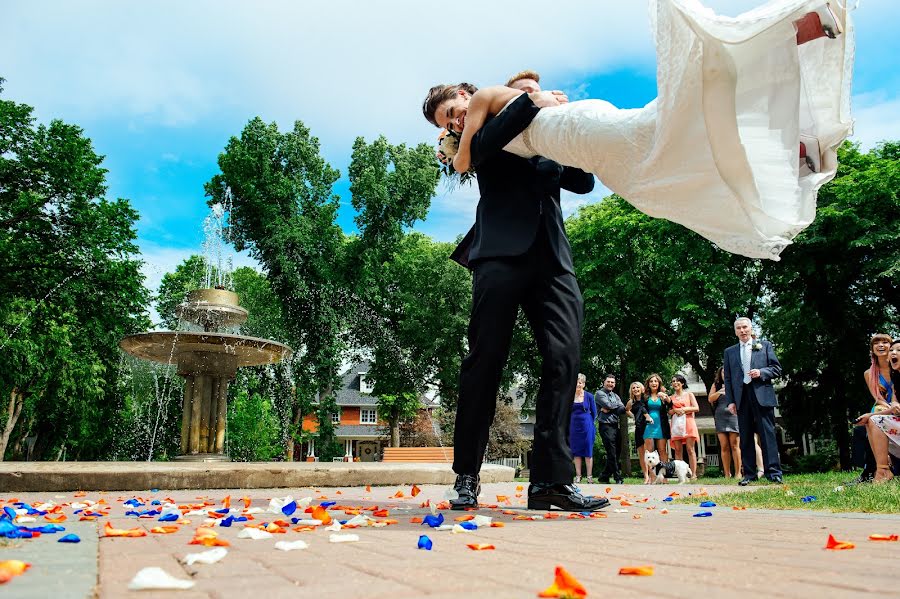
<point x="520" y="256"/>
<point x="750" y="366"/>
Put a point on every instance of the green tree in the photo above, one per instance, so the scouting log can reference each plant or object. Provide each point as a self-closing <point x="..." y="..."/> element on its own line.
<point x="834" y="287"/>
<point x="70" y="287"/>
<point x="654" y="291"/>
<point x="283" y="210"/>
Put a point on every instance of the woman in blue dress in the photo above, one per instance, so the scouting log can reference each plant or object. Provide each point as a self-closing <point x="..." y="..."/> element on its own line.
<point x="657" y="432"/>
<point x="582" y="431"/>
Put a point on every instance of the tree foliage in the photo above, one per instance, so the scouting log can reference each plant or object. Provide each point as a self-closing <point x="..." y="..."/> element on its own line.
<point x="70" y="287"/>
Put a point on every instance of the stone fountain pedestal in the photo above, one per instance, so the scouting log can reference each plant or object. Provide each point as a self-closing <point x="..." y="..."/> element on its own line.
<point x="208" y="362"/>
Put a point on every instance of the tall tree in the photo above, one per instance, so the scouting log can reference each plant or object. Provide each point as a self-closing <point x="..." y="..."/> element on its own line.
<point x="279" y="190"/>
<point x="836" y="286"/>
<point x="70" y="286"/>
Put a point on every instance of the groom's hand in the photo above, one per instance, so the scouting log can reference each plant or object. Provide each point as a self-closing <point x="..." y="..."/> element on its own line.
<point x="546" y="99"/>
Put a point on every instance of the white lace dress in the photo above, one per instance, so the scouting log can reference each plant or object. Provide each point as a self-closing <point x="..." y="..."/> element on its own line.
<point x="718" y="150"/>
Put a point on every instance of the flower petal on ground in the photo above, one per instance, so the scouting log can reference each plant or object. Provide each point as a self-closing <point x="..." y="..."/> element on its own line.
<point x="883" y="537"/>
<point x="254" y="533"/>
<point x="321" y="514"/>
<point x="415" y="490"/>
<point x="206" y="557"/>
<point x="291" y="545"/>
<point x="836" y="545"/>
<point x="702" y="514"/>
<point x="69" y="538"/>
<point x="425" y="543"/>
<point x="164" y="530"/>
<point x="707" y="504"/>
<point x="109" y="531"/>
<point x="480" y="546"/>
<point x="9" y="569"/>
<point x="157" y="578"/>
<point x="636" y="571"/>
<point x="564" y="585"/>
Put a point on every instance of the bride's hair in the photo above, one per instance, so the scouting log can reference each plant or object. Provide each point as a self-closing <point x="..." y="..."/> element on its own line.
<point x="442" y="93"/>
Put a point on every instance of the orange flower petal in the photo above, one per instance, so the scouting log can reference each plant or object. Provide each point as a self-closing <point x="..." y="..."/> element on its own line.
<point x="598" y="515"/>
<point x="208" y="538"/>
<point x="109" y="531"/>
<point x="624" y="503"/>
<point x="164" y="530"/>
<point x="399" y="494"/>
<point x="636" y="517"/>
<point x="303" y="528"/>
<point x="55" y="519"/>
<point x="883" y="537"/>
<point x="519" y="487"/>
<point x="836" y="545"/>
<point x="227" y="501"/>
<point x="368" y="488"/>
<point x="497" y="524"/>
<point x="321" y="514"/>
<point x="381" y="514"/>
<point x="247" y="501"/>
<point x="564" y="585"/>
<point x="464" y="518"/>
<point x="415" y="520"/>
<point x="738" y="507"/>
<point x="636" y="571"/>
<point x="12" y="568"/>
<point x="480" y="546"/>
<point x="415" y="491"/>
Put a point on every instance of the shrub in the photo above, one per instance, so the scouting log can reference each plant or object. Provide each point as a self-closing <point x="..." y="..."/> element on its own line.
<point x="253" y="431"/>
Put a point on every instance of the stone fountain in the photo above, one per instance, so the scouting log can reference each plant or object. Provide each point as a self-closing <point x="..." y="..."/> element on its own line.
<point x="208" y="361"/>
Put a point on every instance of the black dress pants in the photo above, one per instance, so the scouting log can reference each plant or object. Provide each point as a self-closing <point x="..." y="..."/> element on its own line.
<point x="612" y="445"/>
<point x="754" y="418"/>
<point x="551" y="300"/>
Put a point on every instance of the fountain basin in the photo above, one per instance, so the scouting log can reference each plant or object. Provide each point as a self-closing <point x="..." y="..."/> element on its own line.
<point x="170" y="347"/>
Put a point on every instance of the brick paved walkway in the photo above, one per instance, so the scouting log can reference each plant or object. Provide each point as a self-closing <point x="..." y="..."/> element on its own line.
<point x="731" y="554"/>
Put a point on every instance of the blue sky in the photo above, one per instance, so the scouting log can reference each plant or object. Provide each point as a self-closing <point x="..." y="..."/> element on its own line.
<point x="160" y="86"/>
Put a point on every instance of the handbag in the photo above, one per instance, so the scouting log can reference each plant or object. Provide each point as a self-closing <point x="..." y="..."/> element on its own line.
<point x="679" y="425"/>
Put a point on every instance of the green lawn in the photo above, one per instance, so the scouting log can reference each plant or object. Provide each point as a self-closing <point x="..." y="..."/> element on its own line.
<point x="830" y="492"/>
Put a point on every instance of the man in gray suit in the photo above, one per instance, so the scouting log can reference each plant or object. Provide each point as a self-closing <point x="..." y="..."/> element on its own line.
<point x="750" y="367"/>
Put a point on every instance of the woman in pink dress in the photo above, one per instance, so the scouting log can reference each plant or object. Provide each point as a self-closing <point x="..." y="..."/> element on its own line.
<point x="684" y="404"/>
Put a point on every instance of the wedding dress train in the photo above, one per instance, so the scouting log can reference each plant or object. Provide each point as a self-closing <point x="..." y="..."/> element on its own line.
<point x="718" y="150"/>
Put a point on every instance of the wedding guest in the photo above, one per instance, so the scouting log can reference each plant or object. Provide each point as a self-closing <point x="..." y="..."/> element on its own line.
<point x="883" y="426"/>
<point x="657" y="430"/>
<point x="611" y="407"/>
<point x="582" y="415"/>
<point x="637" y="409"/>
<point x="877" y="378"/>
<point x="726" y="426"/>
<point x="750" y="368"/>
<point x="684" y="434"/>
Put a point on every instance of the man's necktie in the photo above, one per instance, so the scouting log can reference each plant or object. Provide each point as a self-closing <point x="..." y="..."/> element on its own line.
<point x="745" y="361"/>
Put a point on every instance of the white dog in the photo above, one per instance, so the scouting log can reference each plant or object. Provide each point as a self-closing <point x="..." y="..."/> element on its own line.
<point x="663" y="470"/>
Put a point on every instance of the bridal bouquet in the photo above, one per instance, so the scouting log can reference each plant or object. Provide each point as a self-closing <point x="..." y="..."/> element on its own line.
<point x="448" y="145"/>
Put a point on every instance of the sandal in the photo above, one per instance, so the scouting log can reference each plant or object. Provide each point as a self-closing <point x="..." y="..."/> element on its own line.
<point x="821" y="22"/>
<point x="883" y="468"/>
<point x="590" y="480"/>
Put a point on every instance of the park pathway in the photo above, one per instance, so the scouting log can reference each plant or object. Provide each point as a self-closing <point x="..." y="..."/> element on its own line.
<point x="733" y="553"/>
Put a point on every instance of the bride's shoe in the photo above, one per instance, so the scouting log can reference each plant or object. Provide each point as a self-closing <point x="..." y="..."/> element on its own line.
<point x="822" y="22"/>
<point x="810" y="156"/>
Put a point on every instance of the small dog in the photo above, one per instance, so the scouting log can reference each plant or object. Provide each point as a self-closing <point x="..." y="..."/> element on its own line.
<point x="663" y="470"/>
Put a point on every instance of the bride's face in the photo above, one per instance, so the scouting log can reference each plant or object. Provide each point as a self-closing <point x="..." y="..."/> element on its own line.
<point x="451" y="114"/>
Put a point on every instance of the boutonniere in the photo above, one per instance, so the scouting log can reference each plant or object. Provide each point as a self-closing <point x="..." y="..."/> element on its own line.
<point x="757" y="346"/>
<point x="448" y="146"/>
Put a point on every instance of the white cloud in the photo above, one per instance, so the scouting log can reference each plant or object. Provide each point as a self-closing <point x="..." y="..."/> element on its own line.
<point x="877" y="118"/>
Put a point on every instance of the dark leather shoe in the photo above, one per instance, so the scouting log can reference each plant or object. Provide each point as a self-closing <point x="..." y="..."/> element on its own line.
<point x="545" y="496"/>
<point x="467" y="486"/>
<point x="620" y="481"/>
<point x="747" y="480"/>
<point x="776" y="478"/>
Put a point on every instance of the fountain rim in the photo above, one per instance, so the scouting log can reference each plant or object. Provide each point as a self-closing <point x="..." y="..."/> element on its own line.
<point x="244" y="346"/>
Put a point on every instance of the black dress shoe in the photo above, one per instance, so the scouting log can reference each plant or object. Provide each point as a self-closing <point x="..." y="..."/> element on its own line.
<point x="747" y="480"/>
<point x="620" y="481"/>
<point x="545" y="496"/>
<point x="776" y="478"/>
<point x="467" y="486"/>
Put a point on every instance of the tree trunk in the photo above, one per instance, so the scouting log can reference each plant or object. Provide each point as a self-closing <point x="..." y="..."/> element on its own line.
<point x="16" y="401"/>
<point x="395" y="432"/>
<point x="296" y="428"/>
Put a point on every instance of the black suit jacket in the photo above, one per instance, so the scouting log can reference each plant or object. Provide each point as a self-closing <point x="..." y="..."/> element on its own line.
<point x="518" y="195"/>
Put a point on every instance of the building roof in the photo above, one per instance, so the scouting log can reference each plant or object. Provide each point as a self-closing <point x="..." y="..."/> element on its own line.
<point x="348" y="394"/>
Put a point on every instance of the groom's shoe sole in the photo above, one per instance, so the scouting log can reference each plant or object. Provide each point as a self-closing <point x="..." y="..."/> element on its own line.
<point x="545" y="505"/>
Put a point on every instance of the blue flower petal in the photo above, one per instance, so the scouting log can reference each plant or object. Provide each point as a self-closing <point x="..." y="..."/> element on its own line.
<point x="226" y="522"/>
<point x="702" y="514"/>
<point x="170" y="517"/>
<point x="707" y="504"/>
<point x="425" y="543"/>
<point x="668" y="499"/>
<point x="69" y="538"/>
<point x="289" y="508"/>
<point x="809" y="498"/>
<point x="327" y="504"/>
<point x="433" y="521"/>
<point x="469" y="525"/>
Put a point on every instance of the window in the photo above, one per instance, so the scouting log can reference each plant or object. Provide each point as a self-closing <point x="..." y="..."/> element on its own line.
<point x="711" y="440"/>
<point x="335" y="418"/>
<point x="368" y="416"/>
<point x="364" y="386"/>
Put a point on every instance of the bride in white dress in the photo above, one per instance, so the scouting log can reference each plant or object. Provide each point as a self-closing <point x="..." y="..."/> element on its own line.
<point x="750" y="113"/>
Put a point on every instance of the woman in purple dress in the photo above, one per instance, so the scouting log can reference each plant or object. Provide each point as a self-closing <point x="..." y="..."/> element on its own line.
<point x="582" y="431"/>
